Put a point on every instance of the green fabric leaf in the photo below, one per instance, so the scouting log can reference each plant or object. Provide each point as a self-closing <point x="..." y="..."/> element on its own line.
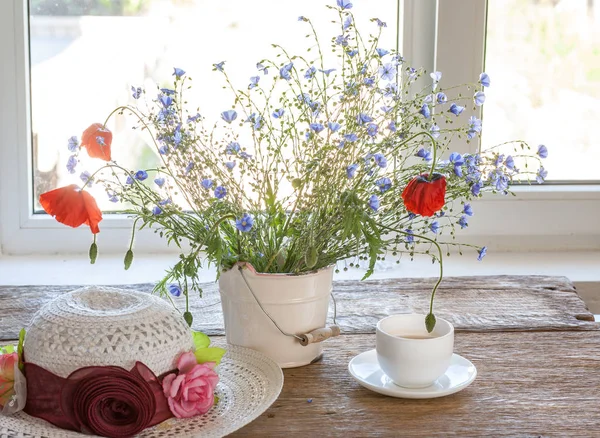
<point x="210" y="354"/>
<point x="201" y="340"/>
<point x="20" y="348"/>
<point x="7" y="349"/>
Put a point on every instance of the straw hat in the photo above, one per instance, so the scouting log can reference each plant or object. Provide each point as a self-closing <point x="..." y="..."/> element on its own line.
<point x="128" y="337"/>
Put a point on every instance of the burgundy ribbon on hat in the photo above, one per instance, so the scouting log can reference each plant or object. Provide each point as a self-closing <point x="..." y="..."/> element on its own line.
<point x="108" y="401"/>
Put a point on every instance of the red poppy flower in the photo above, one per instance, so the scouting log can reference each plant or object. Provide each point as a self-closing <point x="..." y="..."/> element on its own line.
<point x="423" y="196"/>
<point x="97" y="139"/>
<point x="72" y="206"/>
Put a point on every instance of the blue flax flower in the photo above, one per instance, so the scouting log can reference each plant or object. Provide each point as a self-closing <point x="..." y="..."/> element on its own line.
<point x="424" y="111"/>
<point x="463" y="222"/>
<point x="425" y="154"/>
<point x="284" y="71"/>
<point x="310" y="73"/>
<point x="369" y="82"/>
<point x="112" y="197"/>
<point x="159" y="181"/>
<point x="381" y="52"/>
<point x="206" y="183"/>
<point x="510" y="162"/>
<point x="380" y="160"/>
<point x="352" y="53"/>
<point x="254" y="82"/>
<point x="344" y="4"/>
<point x="484" y="79"/>
<point x="390" y="89"/>
<point x="167" y="101"/>
<point x="409" y="237"/>
<point x="435" y="131"/>
<point x="334" y="126"/>
<point x="244" y="224"/>
<point x="436" y="76"/>
<point x="542" y="174"/>
<point x="260" y="66"/>
<point x="380" y="23"/>
<point x="164" y="149"/>
<point x="476" y="188"/>
<point x="542" y="151"/>
<point x="73" y="144"/>
<point x="384" y="184"/>
<point x="86" y="177"/>
<point x="129" y="180"/>
<point x="218" y="66"/>
<point x="245" y="155"/>
<point x="278" y="113"/>
<point x="232" y="148"/>
<point x="363" y="118"/>
<point x="317" y="127"/>
<point x="386" y="109"/>
<point x="174" y="290"/>
<point x="441" y="98"/>
<point x="220" y="192"/>
<point x="229" y="115"/>
<point x="136" y="92"/>
<point x="374" y="202"/>
<point x="189" y="167"/>
<point x="347" y="22"/>
<point x="479" y="98"/>
<point x="342" y="40"/>
<point x="256" y="120"/>
<point x="230" y="165"/>
<point x="141" y="175"/>
<point x="388" y="72"/>
<point x="191" y="119"/>
<point x="434" y="227"/>
<point x="372" y="129"/>
<point x="156" y="210"/>
<point x="351" y="137"/>
<point x="482" y="253"/>
<point x="166" y="201"/>
<point x="456" y="109"/>
<point x="468" y="210"/>
<point x="71" y="164"/>
<point x="392" y="126"/>
<point x="328" y="71"/>
<point x="167" y="91"/>
<point x="178" y="73"/>
<point x="302" y="18"/>
<point x="351" y="170"/>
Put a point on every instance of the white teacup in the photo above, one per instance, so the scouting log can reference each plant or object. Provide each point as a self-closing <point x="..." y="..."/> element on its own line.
<point x="409" y="355"/>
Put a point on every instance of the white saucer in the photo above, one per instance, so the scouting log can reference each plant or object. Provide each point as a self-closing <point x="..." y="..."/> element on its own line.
<point x="365" y="369"/>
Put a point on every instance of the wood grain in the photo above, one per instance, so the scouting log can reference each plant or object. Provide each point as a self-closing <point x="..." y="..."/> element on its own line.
<point x="528" y="384"/>
<point x="501" y="303"/>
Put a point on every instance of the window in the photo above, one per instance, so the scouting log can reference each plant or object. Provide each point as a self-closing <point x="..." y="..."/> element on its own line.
<point x="67" y="63"/>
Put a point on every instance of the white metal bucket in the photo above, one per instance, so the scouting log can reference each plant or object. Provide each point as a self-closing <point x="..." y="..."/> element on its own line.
<point x="297" y="303"/>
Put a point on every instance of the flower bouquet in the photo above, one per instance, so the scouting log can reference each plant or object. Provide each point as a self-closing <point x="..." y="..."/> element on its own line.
<point x="313" y="163"/>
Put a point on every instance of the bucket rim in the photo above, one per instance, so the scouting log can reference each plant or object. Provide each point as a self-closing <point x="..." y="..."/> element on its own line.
<point x="251" y="268"/>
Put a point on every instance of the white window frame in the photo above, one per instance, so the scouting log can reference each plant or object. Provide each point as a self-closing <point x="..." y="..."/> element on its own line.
<point x="547" y="217"/>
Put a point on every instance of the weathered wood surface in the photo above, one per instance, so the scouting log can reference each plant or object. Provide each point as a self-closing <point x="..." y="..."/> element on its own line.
<point x="471" y="303"/>
<point x="534" y="384"/>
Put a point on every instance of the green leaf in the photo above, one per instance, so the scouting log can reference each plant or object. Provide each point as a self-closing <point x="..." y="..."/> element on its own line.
<point x="200" y="340"/>
<point x="210" y="354"/>
<point x="430" y="322"/>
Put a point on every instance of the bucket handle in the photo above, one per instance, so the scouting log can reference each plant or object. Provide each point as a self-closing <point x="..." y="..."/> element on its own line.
<point x="314" y="336"/>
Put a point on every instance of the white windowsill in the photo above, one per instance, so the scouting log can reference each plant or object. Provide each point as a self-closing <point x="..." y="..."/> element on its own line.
<point x="76" y="269"/>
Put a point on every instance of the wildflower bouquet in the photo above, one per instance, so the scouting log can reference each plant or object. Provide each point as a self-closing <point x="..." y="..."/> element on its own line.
<point x="311" y="165"/>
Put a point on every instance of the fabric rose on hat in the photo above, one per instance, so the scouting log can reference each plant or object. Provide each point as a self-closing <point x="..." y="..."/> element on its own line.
<point x="13" y="389"/>
<point x="192" y="391"/>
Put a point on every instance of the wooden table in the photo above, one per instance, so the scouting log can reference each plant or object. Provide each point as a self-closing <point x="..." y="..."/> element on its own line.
<point x="532" y="339"/>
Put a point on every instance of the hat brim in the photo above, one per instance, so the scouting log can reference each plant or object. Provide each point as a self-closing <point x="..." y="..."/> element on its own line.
<point x="249" y="382"/>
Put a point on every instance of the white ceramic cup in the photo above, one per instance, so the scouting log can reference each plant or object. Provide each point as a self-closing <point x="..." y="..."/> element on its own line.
<point x="414" y="363"/>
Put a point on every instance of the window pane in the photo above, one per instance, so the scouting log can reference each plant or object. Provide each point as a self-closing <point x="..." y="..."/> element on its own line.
<point x="86" y="55"/>
<point x="543" y="57"/>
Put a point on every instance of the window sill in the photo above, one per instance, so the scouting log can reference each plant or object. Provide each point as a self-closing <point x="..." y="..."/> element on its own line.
<point x="108" y="270"/>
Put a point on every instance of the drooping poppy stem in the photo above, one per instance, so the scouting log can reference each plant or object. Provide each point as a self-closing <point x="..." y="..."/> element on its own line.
<point x="440" y="259"/>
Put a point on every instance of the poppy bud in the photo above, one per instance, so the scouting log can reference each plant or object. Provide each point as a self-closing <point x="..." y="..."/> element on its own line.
<point x="423" y="196"/>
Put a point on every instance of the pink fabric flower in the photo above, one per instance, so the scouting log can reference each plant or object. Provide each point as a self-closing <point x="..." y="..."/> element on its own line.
<point x="192" y="391"/>
<point x="7" y="377"/>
